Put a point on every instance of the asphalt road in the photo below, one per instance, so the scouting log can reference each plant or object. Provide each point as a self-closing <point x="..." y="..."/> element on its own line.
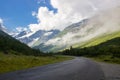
<point x="76" y="69"/>
<point x="111" y="71"/>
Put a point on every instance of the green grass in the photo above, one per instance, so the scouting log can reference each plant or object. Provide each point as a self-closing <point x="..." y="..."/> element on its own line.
<point x="98" y="40"/>
<point x="107" y="59"/>
<point x="12" y="62"/>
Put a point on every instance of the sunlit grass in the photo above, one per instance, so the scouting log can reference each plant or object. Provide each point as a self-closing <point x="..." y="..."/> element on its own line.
<point x="98" y="40"/>
<point x="11" y="62"/>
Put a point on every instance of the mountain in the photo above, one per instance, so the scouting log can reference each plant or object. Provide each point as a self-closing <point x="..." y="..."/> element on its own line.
<point x="45" y="37"/>
<point x="110" y="47"/>
<point x="91" y="31"/>
<point x="99" y="39"/>
<point x="10" y="45"/>
<point x="74" y="28"/>
<point x="21" y="34"/>
<point x="2" y="27"/>
<point x="108" y="51"/>
<point x="35" y="38"/>
<point x="97" y="29"/>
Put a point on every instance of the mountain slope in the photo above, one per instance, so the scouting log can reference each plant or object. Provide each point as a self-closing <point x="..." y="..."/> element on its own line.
<point x="11" y="45"/>
<point x="45" y="37"/>
<point x="99" y="26"/>
<point x="2" y="27"/>
<point x="94" y="30"/>
<point x="108" y="51"/>
<point x="36" y="38"/>
<point x="73" y="28"/>
<point x="98" y="40"/>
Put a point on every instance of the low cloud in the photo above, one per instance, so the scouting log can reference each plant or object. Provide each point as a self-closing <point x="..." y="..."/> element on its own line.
<point x="69" y="11"/>
<point x="1" y="21"/>
<point x="2" y="27"/>
<point x="102" y="23"/>
<point x="20" y="29"/>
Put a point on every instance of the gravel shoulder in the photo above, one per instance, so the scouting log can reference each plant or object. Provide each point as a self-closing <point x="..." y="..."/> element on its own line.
<point x="111" y="71"/>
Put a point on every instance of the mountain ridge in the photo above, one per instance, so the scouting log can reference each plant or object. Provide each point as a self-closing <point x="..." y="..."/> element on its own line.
<point x="10" y="45"/>
<point x="83" y="32"/>
<point x="101" y="24"/>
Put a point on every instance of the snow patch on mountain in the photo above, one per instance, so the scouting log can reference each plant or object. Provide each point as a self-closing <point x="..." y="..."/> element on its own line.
<point x="47" y="34"/>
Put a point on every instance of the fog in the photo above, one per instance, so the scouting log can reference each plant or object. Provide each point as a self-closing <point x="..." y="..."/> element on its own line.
<point x="104" y="22"/>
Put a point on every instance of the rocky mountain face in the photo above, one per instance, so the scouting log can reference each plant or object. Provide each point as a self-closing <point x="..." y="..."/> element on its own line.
<point x="33" y="38"/>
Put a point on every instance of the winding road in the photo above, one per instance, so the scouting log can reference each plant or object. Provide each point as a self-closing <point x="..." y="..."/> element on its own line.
<point x="76" y="69"/>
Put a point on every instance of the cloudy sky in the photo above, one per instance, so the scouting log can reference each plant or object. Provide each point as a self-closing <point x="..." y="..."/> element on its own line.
<point x="48" y="14"/>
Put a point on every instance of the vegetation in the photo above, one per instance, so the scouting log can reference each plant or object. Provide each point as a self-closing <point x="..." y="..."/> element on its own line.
<point x="15" y="55"/>
<point x="98" y="40"/>
<point x="9" y="44"/>
<point x="108" y="51"/>
<point x="10" y="62"/>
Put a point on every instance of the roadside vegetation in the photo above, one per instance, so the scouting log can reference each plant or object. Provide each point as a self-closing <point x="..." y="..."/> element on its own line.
<point x="108" y="51"/>
<point x="10" y="62"/>
<point x="15" y="55"/>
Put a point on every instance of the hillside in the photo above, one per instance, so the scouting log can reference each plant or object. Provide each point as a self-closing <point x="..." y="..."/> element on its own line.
<point x="96" y="29"/>
<point x="108" y="51"/>
<point x="11" y="45"/>
<point x="15" y="55"/>
<point x="72" y="28"/>
<point x="98" y="40"/>
<point x="35" y="38"/>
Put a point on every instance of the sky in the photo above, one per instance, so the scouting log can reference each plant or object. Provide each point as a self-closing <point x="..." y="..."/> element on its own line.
<point x="48" y="14"/>
<point x="20" y="13"/>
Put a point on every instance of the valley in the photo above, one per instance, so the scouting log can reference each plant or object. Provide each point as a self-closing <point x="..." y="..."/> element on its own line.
<point x="60" y="40"/>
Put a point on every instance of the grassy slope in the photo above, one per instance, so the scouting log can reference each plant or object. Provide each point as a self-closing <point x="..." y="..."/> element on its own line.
<point x="107" y="59"/>
<point x="12" y="62"/>
<point x="113" y="46"/>
<point x="99" y="40"/>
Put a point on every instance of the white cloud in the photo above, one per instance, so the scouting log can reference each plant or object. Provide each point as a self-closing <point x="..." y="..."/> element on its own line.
<point x="1" y="21"/>
<point x="69" y="11"/>
<point x="19" y="29"/>
<point x="34" y="13"/>
<point x="105" y="22"/>
<point x="2" y="27"/>
<point x="48" y="33"/>
<point x="34" y="27"/>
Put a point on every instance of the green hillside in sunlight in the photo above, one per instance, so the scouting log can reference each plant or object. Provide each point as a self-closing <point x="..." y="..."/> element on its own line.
<point x="98" y="40"/>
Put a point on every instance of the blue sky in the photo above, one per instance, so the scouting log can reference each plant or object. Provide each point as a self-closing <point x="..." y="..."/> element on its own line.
<point x="18" y="13"/>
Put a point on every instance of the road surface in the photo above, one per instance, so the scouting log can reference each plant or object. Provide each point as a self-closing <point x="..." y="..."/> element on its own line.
<point x="111" y="71"/>
<point x="76" y="69"/>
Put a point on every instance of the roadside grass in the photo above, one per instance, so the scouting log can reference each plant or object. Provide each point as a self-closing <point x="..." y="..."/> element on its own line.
<point x="12" y="62"/>
<point x="107" y="59"/>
